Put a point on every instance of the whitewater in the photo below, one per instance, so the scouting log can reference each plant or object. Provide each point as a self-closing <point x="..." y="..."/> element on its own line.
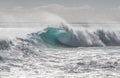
<point x="57" y="49"/>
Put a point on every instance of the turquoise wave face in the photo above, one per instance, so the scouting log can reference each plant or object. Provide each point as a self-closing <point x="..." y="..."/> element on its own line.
<point x="64" y="37"/>
<point x="58" y="37"/>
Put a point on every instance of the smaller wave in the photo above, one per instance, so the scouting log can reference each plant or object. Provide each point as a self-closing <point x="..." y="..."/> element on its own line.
<point x="5" y="44"/>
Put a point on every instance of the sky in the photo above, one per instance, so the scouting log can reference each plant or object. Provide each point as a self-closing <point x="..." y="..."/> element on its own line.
<point x="71" y="10"/>
<point x="76" y="3"/>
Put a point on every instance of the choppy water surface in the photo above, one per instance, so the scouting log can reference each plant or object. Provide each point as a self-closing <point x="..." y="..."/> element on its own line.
<point x="30" y="62"/>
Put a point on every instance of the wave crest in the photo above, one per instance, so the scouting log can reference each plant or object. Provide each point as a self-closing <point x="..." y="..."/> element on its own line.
<point x="66" y="37"/>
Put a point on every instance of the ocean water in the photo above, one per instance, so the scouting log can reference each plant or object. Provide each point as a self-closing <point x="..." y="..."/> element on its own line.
<point x="84" y="50"/>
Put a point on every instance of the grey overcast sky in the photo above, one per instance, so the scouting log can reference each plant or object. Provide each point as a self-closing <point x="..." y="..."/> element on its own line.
<point x="33" y="3"/>
<point x="70" y="10"/>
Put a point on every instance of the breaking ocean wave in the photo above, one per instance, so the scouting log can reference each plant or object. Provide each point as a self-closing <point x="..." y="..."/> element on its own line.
<point x="67" y="37"/>
<point x="75" y="51"/>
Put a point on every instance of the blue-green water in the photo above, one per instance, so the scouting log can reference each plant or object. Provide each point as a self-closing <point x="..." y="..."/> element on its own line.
<point x="58" y="37"/>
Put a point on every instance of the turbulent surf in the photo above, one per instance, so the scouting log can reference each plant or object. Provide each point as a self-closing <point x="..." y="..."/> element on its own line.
<point x="78" y="50"/>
